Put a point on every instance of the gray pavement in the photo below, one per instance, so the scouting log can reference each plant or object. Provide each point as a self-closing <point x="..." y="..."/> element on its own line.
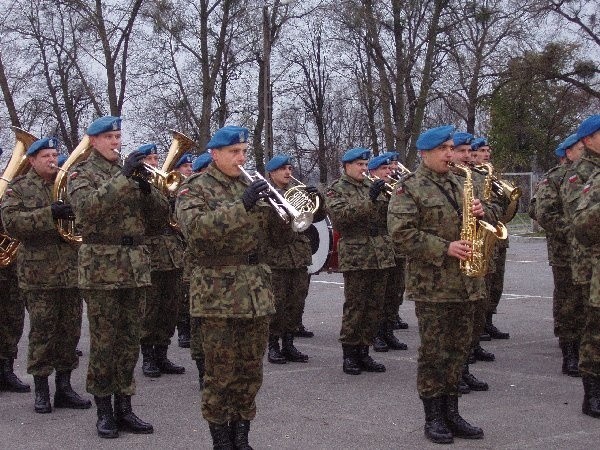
<point x="315" y="405"/>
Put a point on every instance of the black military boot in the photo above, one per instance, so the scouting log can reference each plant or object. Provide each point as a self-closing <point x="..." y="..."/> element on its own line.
<point x="570" y="352"/>
<point x="164" y="364"/>
<point x="289" y="352"/>
<point x="42" y="395"/>
<point x="302" y="332"/>
<point x="400" y="324"/>
<point x="491" y="329"/>
<point x="392" y="341"/>
<point x="591" y="396"/>
<point x="65" y="396"/>
<point x="200" y="366"/>
<point x="126" y="418"/>
<point x="473" y="383"/>
<point x="463" y="387"/>
<point x="184" y="333"/>
<point x="436" y="429"/>
<point x="351" y="366"/>
<point x="367" y="363"/>
<point x="485" y="337"/>
<point x="274" y="355"/>
<point x="379" y="344"/>
<point x="241" y="428"/>
<point x="471" y="357"/>
<point x="221" y="436"/>
<point x="149" y="367"/>
<point x="482" y="355"/>
<point x="106" y="424"/>
<point x="8" y="380"/>
<point x="459" y="426"/>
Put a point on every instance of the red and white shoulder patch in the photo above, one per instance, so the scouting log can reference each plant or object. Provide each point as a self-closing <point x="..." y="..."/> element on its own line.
<point x="8" y="192"/>
<point x="73" y="175"/>
<point x="573" y="178"/>
<point x="586" y="188"/>
<point x="183" y="192"/>
<point x="400" y="190"/>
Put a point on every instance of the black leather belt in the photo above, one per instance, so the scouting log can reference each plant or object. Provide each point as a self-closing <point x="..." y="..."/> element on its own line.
<point x="251" y="259"/>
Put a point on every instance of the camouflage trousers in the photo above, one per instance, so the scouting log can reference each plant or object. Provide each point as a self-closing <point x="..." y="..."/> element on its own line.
<point x="445" y="330"/>
<point x="364" y="292"/>
<point x="115" y="322"/>
<point x="394" y="292"/>
<point x="55" y="328"/>
<point x="290" y="289"/>
<point x="481" y="310"/>
<point x="12" y="317"/>
<point x="233" y="350"/>
<point x="496" y="279"/>
<point x="196" y="339"/>
<point x="568" y="305"/>
<point x="589" y="347"/>
<point x="184" y="296"/>
<point x="161" y="308"/>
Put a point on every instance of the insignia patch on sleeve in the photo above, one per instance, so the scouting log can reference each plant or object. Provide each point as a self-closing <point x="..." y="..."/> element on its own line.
<point x="572" y="178"/>
<point x="9" y="192"/>
<point x="183" y="192"/>
<point x="73" y="175"/>
<point x="586" y="188"/>
<point x="330" y="193"/>
<point x="400" y="190"/>
<point x="545" y="181"/>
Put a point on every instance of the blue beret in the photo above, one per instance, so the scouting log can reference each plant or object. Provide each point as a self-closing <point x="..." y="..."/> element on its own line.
<point x="201" y="162"/>
<point x="560" y="151"/>
<point x="433" y="137"/>
<point x="462" y="138"/>
<point x="394" y="156"/>
<point x="570" y="141"/>
<point x="356" y="153"/>
<point x="61" y="160"/>
<point x="187" y="158"/>
<point x="41" y="144"/>
<point x="378" y="161"/>
<point x="277" y="161"/>
<point x="477" y="143"/>
<point x="148" y="149"/>
<point x="228" y="135"/>
<point x="588" y="126"/>
<point x="104" y="124"/>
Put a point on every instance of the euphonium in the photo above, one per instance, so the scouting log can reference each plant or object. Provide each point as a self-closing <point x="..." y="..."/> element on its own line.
<point x="17" y="165"/>
<point x="479" y="233"/>
<point x="300" y="199"/>
<point x="503" y="189"/>
<point x="299" y="220"/>
<point x="66" y="228"/>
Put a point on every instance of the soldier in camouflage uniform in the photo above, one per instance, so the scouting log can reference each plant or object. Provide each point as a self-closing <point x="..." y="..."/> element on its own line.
<point x="114" y="204"/>
<point x="50" y="290"/>
<point x="576" y="198"/>
<point x="568" y="307"/>
<point x="359" y="214"/>
<point x="424" y="221"/>
<point x="163" y="298"/>
<point x="230" y="287"/>
<point x="290" y="278"/>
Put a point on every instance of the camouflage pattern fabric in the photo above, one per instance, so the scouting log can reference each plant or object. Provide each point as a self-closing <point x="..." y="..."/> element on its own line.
<point x="12" y="313"/>
<point x="27" y="216"/>
<point x="114" y="318"/>
<point x="568" y="305"/>
<point x="55" y="328"/>
<point x="290" y="288"/>
<point x="480" y="310"/>
<point x="233" y="350"/>
<point x="161" y="308"/>
<point x="496" y="278"/>
<point x="196" y="348"/>
<point x="392" y="299"/>
<point x="445" y="331"/>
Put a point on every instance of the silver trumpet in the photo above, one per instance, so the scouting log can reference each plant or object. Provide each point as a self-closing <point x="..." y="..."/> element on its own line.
<point x="299" y="221"/>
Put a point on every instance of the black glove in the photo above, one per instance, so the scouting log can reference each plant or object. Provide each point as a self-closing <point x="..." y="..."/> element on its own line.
<point x="312" y="190"/>
<point x="133" y="163"/>
<point x="144" y="185"/>
<point x="254" y="192"/>
<point x="61" y="210"/>
<point x="376" y="189"/>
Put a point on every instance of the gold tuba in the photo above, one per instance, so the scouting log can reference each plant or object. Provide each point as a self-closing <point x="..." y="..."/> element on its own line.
<point x="172" y="178"/>
<point x="17" y="165"/>
<point x="66" y="228"/>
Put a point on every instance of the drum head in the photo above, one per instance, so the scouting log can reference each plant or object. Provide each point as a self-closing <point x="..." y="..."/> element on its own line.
<point x="321" y="240"/>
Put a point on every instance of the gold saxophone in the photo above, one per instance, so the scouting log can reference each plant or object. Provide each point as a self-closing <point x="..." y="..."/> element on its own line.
<point x="482" y="235"/>
<point x="16" y="166"/>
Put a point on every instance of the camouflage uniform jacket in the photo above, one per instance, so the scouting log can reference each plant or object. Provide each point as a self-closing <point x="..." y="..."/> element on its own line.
<point x="112" y="214"/>
<point x="223" y="241"/>
<point x="570" y="191"/>
<point x="586" y="228"/>
<point x="166" y="247"/>
<point x="551" y="217"/>
<point x="422" y="223"/>
<point x="44" y="259"/>
<point x="364" y="241"/>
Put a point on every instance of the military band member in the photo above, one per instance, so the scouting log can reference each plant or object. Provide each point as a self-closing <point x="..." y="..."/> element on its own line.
<point x="201" y="163"/>
<point x="424" y="221"/>
<point x="381" y="167"/>
<point x="50" y="290"/>
<point x="568" y="303"/>
<point x="163" y="298"/>
<point x="358" y="212"/>
<point x="230" y="287"/>
<point x="585" y="260"/>
<point x="114" y="204"/>
<point x="290" y="278"/>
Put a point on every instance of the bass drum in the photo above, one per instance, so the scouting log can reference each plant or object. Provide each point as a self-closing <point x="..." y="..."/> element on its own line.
<point x="321" y="237"/>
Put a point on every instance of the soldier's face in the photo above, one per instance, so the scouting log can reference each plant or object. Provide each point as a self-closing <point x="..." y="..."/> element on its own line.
<point x="382" y="172"/>
<point x="593" y="141"/>
<point x="438" y="158"/>
<point x="106" y="144"/>
<point x="185" y="169"/>
<point x="151" y="160"/>
<point x="45" y="163"/>
<point x="227" y="159"/>
<point x="462" y="154"/>
<point x="356" y="168"/>
<point x="483" y="155"/>
<point x="575" y="151"/>
<point x="282" y="176"/>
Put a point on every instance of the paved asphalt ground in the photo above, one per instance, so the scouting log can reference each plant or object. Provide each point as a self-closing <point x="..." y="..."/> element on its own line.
<point x="316" y="406"/>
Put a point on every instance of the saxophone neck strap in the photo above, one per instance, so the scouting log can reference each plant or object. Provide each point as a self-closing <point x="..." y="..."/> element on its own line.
<point x="451" y="198"/>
